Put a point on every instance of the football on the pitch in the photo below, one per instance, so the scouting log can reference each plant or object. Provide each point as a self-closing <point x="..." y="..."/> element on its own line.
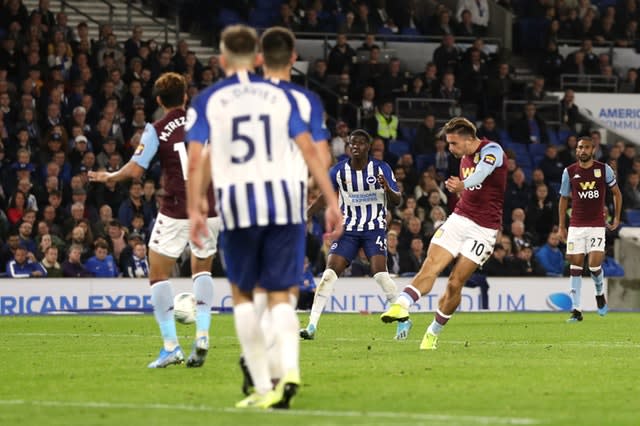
<point x="184" y="308"/>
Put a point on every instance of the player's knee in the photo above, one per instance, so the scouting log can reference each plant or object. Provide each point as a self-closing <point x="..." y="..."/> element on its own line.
<point x="575" y="270"/>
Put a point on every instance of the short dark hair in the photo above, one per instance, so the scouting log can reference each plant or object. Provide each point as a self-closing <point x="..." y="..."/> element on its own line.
<point x="170" y="88"/>
<point x="277" y="44"/>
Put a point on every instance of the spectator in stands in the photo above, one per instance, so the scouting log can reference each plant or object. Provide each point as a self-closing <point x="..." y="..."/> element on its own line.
<point x="393" y="255"/>
<point x="136" y="265"/>
<point x="387" y="122"/>
<point x="50" y="263"/>
<point x="411" y="260"/>
<point x="499" y="264"/>
<point x="536" y="91"/>
<point x="550" y="257"/>
<point x="479" y="10"/>
<point x="473" y="77"/>
<point x="449" y="90"/>
<point x="528" y="264"/>
<point x="73" y="267"/>
<point x="286" y="18"/>
<point x="531" y="128"/>
<point x="348" y="26"/>
<point x="567" y="152"/>
<point x="552" y="166"/>
<point x="17" y="207"/>
<point x="24" y="265"/>
<point x="134" y="204"/>
<point x="631" y="191"/>
<point x="102" y="265"/>
<point x="442" y="25"/>
<point x="412" y="230"/>
<point x="488" y="129"/>
<point x="600" y="151"/>
<point x="625" y="162"/>
<point x="630" y="83"/>
<point x="392" y="83"/>
<point x="25" y="233"/>
<point x="339" y="142"/>
<point x="426" y="135"/>
<point x="446" y="56"/>
<point x="551" y="65"/>
<point x="541" y="215"/>
<point x="629" y="36"/>
<point x="517" y="195"/>
<point x="465" y="26"/>
<point x="341" y="56"/>
<point x="430" y="79"/>
<point x="364" y="22"/>
<point x="369" y="71"/>
<point x="499" y="87"/>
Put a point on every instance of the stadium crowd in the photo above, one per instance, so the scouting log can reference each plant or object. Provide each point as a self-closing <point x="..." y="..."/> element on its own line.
<point x="70" y="104"/>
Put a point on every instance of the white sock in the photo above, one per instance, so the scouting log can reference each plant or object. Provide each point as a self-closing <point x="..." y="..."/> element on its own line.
<point x="293" y="300"/>
<point x="260" y="302"/>
<point x="285" y="325"/>
<point x="273" y="349"/>
<point x="323" y="293"/>
<point x="385" y="282"/>
<point x="252" y="343"/>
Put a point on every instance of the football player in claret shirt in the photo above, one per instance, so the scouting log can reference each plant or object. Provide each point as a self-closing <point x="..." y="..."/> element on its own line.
<point x="586" y="182"/>
<point x="170" y="234"/>
<point x="468" y="235"/>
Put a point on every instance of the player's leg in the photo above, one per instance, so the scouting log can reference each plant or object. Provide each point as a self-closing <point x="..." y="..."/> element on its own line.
<point x="444" y="247"/>
<point x="576" y="249"/>
<point x="596" y="258"/>
<point x="437" y="259"/>
<point x="162" y="301"/>
<point x="241" y="249"/>
<point x="340" y="254"/>
<point x="201" y="261"/>
<point x="282" y="268"/>
<point x="167" y="243"/>
<point x="449" y="302"/>
<point x="474" y="251"/>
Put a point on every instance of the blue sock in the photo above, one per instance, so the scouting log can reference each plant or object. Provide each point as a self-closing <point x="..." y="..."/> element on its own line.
<point x="576" y="286"/>
<point x="162" y="300"/>
<point x="598" y="281"/>
<point x="203" y="290"/>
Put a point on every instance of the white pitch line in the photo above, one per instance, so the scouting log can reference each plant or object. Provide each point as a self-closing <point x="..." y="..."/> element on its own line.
<point x="618" y="344"/>
<point x="483" y="420"/>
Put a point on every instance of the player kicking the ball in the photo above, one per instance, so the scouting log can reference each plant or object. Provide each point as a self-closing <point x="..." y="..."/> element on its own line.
<point x="468" y="235"/>
<point x="586" y="182"/>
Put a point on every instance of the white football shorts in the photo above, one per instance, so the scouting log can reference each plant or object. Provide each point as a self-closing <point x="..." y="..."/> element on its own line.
<point x="460" y="235"/>
<point x="170" y="236"/>
<point x="585" y="239"/>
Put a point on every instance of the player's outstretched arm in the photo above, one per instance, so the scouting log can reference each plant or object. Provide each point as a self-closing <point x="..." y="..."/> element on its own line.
<point x="196" y="192"/>
<point x="131" y="170"/>
<point x="563" y="204"/>
<point x="333" y="215"/>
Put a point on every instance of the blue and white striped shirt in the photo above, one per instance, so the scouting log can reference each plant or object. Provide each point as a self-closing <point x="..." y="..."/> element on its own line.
<point x="362" y="199"/>
<point x="255" y="164"/>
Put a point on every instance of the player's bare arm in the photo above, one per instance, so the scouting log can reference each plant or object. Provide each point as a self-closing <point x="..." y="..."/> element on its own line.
<point x="394" y="197"/>
<point x="316" y="206"/>
<point x="563" y="204"/>
<point x="617" y="202"/>
<point x="196" y="192"/>
<point x="131" y="170"/>
<point x="333" y="215"/>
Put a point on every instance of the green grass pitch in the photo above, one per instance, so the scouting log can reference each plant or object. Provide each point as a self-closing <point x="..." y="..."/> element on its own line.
<point x="490" y="369"/>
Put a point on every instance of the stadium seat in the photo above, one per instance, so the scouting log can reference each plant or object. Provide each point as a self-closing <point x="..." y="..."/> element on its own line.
<point x="407" y="133"/>
<point x="563" y="134"/>
<point x="424" y="161"/>
<point x="399" y="147"/>
<point x="633" y="217"/>
<point x="553" y="137"/>
<point x="537" y="149"/>
<point x="409" y="31"/>
<point x="228" y="17"/>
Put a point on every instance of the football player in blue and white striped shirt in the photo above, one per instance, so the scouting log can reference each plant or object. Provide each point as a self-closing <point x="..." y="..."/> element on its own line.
<point x="255" y="136"/>
<point x="365" y="186"/>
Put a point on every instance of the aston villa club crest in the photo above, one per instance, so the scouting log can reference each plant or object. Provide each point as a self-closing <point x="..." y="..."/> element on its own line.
<point x="476" y="158"/>
<point x="597" y="173"/>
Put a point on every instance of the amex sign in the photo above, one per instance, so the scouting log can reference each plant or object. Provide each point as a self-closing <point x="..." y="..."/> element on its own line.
<point x="51" y="295"/>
